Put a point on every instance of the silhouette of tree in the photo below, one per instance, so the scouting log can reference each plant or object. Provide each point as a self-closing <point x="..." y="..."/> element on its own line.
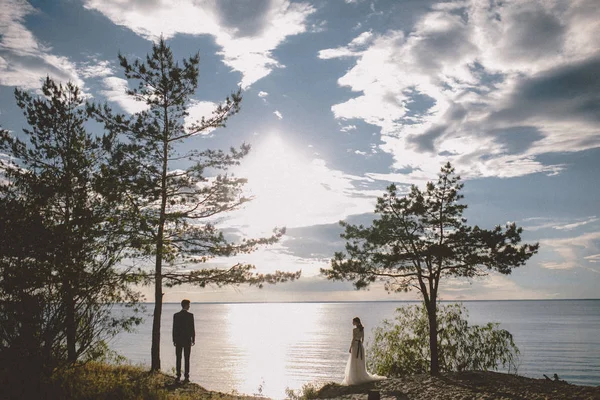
<point x="421" y="238"/>
<point x="59" y="256"/>
<point x="172" y="211"/>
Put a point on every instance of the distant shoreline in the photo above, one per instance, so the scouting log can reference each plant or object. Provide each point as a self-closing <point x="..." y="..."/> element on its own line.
<point x="367" y="301"/>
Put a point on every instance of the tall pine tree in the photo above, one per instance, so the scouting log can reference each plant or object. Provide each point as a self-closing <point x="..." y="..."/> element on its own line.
<point x="173" y="208"/>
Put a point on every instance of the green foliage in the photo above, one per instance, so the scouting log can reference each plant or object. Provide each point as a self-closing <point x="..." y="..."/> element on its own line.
<point x="174" y="195"/>
<point x="307" y="391"/>
<point x="401" y="346"/>
<point x="58" y="275"/>
<point x="172" y="202"/>
<point x="422" y="238"/>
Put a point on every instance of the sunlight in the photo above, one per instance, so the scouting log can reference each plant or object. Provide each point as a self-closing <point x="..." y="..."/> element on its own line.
<point x="265" y="347"/>
<point x="289" y="189"/>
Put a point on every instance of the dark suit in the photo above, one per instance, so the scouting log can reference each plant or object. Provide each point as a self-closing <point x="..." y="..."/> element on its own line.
<point x="184" y="335"/>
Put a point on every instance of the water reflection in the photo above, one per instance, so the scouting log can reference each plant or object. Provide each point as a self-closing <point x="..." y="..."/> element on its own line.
<point x="267" y="341"/>
<point x="243" y="346"/>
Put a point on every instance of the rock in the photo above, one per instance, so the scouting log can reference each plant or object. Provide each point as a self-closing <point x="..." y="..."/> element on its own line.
<point x="374" y="395"/>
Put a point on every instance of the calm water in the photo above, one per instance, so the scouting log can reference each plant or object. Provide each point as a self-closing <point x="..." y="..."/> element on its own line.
<point x="283" y="345"/>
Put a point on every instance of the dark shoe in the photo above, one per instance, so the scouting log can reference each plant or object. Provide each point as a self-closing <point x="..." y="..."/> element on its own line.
<point x="177" y="380"/>
<point x="186" y="380"/>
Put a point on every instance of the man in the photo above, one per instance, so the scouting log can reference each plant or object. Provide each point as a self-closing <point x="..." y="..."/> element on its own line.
<point x="184" y="337"/>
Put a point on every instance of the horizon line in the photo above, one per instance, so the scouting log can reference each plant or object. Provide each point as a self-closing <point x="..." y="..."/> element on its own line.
<point x="365" y="301"/>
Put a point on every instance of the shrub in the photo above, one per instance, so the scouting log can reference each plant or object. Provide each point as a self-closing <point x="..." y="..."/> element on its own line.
<point x="307" y="392"/>
<point x="401" y="346"/>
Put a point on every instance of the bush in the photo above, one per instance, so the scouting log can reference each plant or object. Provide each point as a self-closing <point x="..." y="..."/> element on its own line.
<point x="307" y="392"/>
<point x="401" y="346"/>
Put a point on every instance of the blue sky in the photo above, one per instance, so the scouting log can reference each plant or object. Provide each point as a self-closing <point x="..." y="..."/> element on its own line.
<point x="342" y="98"/>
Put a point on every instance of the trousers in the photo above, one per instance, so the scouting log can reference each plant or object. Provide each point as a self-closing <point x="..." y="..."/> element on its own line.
<point x="186" y="349"/>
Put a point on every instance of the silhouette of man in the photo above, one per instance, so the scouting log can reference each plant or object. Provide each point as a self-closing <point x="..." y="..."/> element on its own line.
<point x="184" y="337"/>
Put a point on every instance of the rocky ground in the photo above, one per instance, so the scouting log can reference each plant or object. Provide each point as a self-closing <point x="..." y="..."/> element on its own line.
<point x="193" y="391"/>
<point x="463" y="386"/>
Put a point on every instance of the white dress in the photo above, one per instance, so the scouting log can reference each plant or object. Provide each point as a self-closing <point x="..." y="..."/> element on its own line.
<point x="356" y="369"/>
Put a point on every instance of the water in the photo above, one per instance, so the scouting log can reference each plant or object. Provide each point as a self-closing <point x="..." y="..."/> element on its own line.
<point x="268" y="347"/>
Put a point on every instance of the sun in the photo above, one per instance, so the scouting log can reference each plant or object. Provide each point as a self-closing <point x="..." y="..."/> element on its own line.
<point x="278" y="182"/>
<point x="291" y="188"/>
<point x="285" y="187"/>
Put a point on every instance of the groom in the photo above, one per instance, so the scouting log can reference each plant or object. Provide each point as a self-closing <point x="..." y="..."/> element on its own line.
<point x="184" y="337"/>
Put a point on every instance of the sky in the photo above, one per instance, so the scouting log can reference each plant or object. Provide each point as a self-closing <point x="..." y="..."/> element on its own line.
<point x="342" y="98"/>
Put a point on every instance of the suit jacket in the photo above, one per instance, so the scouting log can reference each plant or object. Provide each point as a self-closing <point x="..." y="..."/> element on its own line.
<point x="184" y="332"/>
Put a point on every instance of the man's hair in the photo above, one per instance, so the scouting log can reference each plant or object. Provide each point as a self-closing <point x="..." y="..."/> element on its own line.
<point x="185" y="302"/>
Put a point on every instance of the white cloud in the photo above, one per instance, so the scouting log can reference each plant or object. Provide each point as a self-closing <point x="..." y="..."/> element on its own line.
<point x="278" y="114"/>
<point x="493" y="286"/>
<point x="116" y="91"/>
<point x="572" y="252"/>
<point x="247" y="39"/>
<point x="262" y="94"/>
<point x="24" y="62"/>
<point x="199" y="110"/>
<point x="348" y="128"/>
<point x="488" y="87"/>
<point x="576" y="224"/>
<point x="96" y="69"/>
<point x="594" y="258"/>
<point x="538" y="223"/>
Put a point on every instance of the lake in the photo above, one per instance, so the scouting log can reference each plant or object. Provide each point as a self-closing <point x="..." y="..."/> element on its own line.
<point x="245" y="347"/>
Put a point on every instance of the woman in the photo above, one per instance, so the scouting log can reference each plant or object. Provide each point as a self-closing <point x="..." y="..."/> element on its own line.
<point x="356" y="370"/>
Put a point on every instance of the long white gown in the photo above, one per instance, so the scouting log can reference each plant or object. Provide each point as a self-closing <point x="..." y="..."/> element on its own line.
<point x="356" y="369"/>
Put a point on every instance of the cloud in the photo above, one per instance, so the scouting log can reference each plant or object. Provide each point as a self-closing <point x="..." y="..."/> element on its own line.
<point x="247" y="34"/>
<point x="539" y="223"/>
<point x="576" y="224"/>
<point x="493" y="286"/>
<point x="96" y="68"/>
<point x="572" y="252"/>
<point x="594" y="258"/>
<point x="115" y="90"/>
<point x="348" y="128"/>
<point x="489" y="87"/>
<point x="262" y="94"/>
<point x="199" y="110"/>
<point x="278" y="114"/>
<point x="352" y="50"/>
<point x="24" y="62"/>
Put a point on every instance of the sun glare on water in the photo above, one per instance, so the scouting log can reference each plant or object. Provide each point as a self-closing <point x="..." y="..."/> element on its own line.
<point x="264" y="363"/>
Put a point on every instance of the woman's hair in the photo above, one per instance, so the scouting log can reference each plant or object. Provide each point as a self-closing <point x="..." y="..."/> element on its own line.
<point x="358" y="323"/>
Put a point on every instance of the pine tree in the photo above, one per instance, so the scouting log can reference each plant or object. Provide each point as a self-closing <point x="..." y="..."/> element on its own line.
<point x="59" y="242"/>
<point x="421" y="238"/>
<point x="173" y="210"/>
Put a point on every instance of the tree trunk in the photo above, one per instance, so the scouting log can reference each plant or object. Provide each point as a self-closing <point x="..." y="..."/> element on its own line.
<point x="155" y="351"/>
<point x="433" y="344"/>
<point x="71" y="327"/>
<point x="158" y="294"/>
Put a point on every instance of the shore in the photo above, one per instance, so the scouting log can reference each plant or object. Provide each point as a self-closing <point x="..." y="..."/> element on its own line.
<point x="463" y="386"/>
<point x="97" y="381"/>
<point x="474" y="385"/>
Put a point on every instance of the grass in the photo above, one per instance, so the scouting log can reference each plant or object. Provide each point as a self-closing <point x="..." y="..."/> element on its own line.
<point x="98" y="381"/>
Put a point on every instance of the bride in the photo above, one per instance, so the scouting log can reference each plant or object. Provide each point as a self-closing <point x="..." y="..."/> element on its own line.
<point x="356" y="370"/>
